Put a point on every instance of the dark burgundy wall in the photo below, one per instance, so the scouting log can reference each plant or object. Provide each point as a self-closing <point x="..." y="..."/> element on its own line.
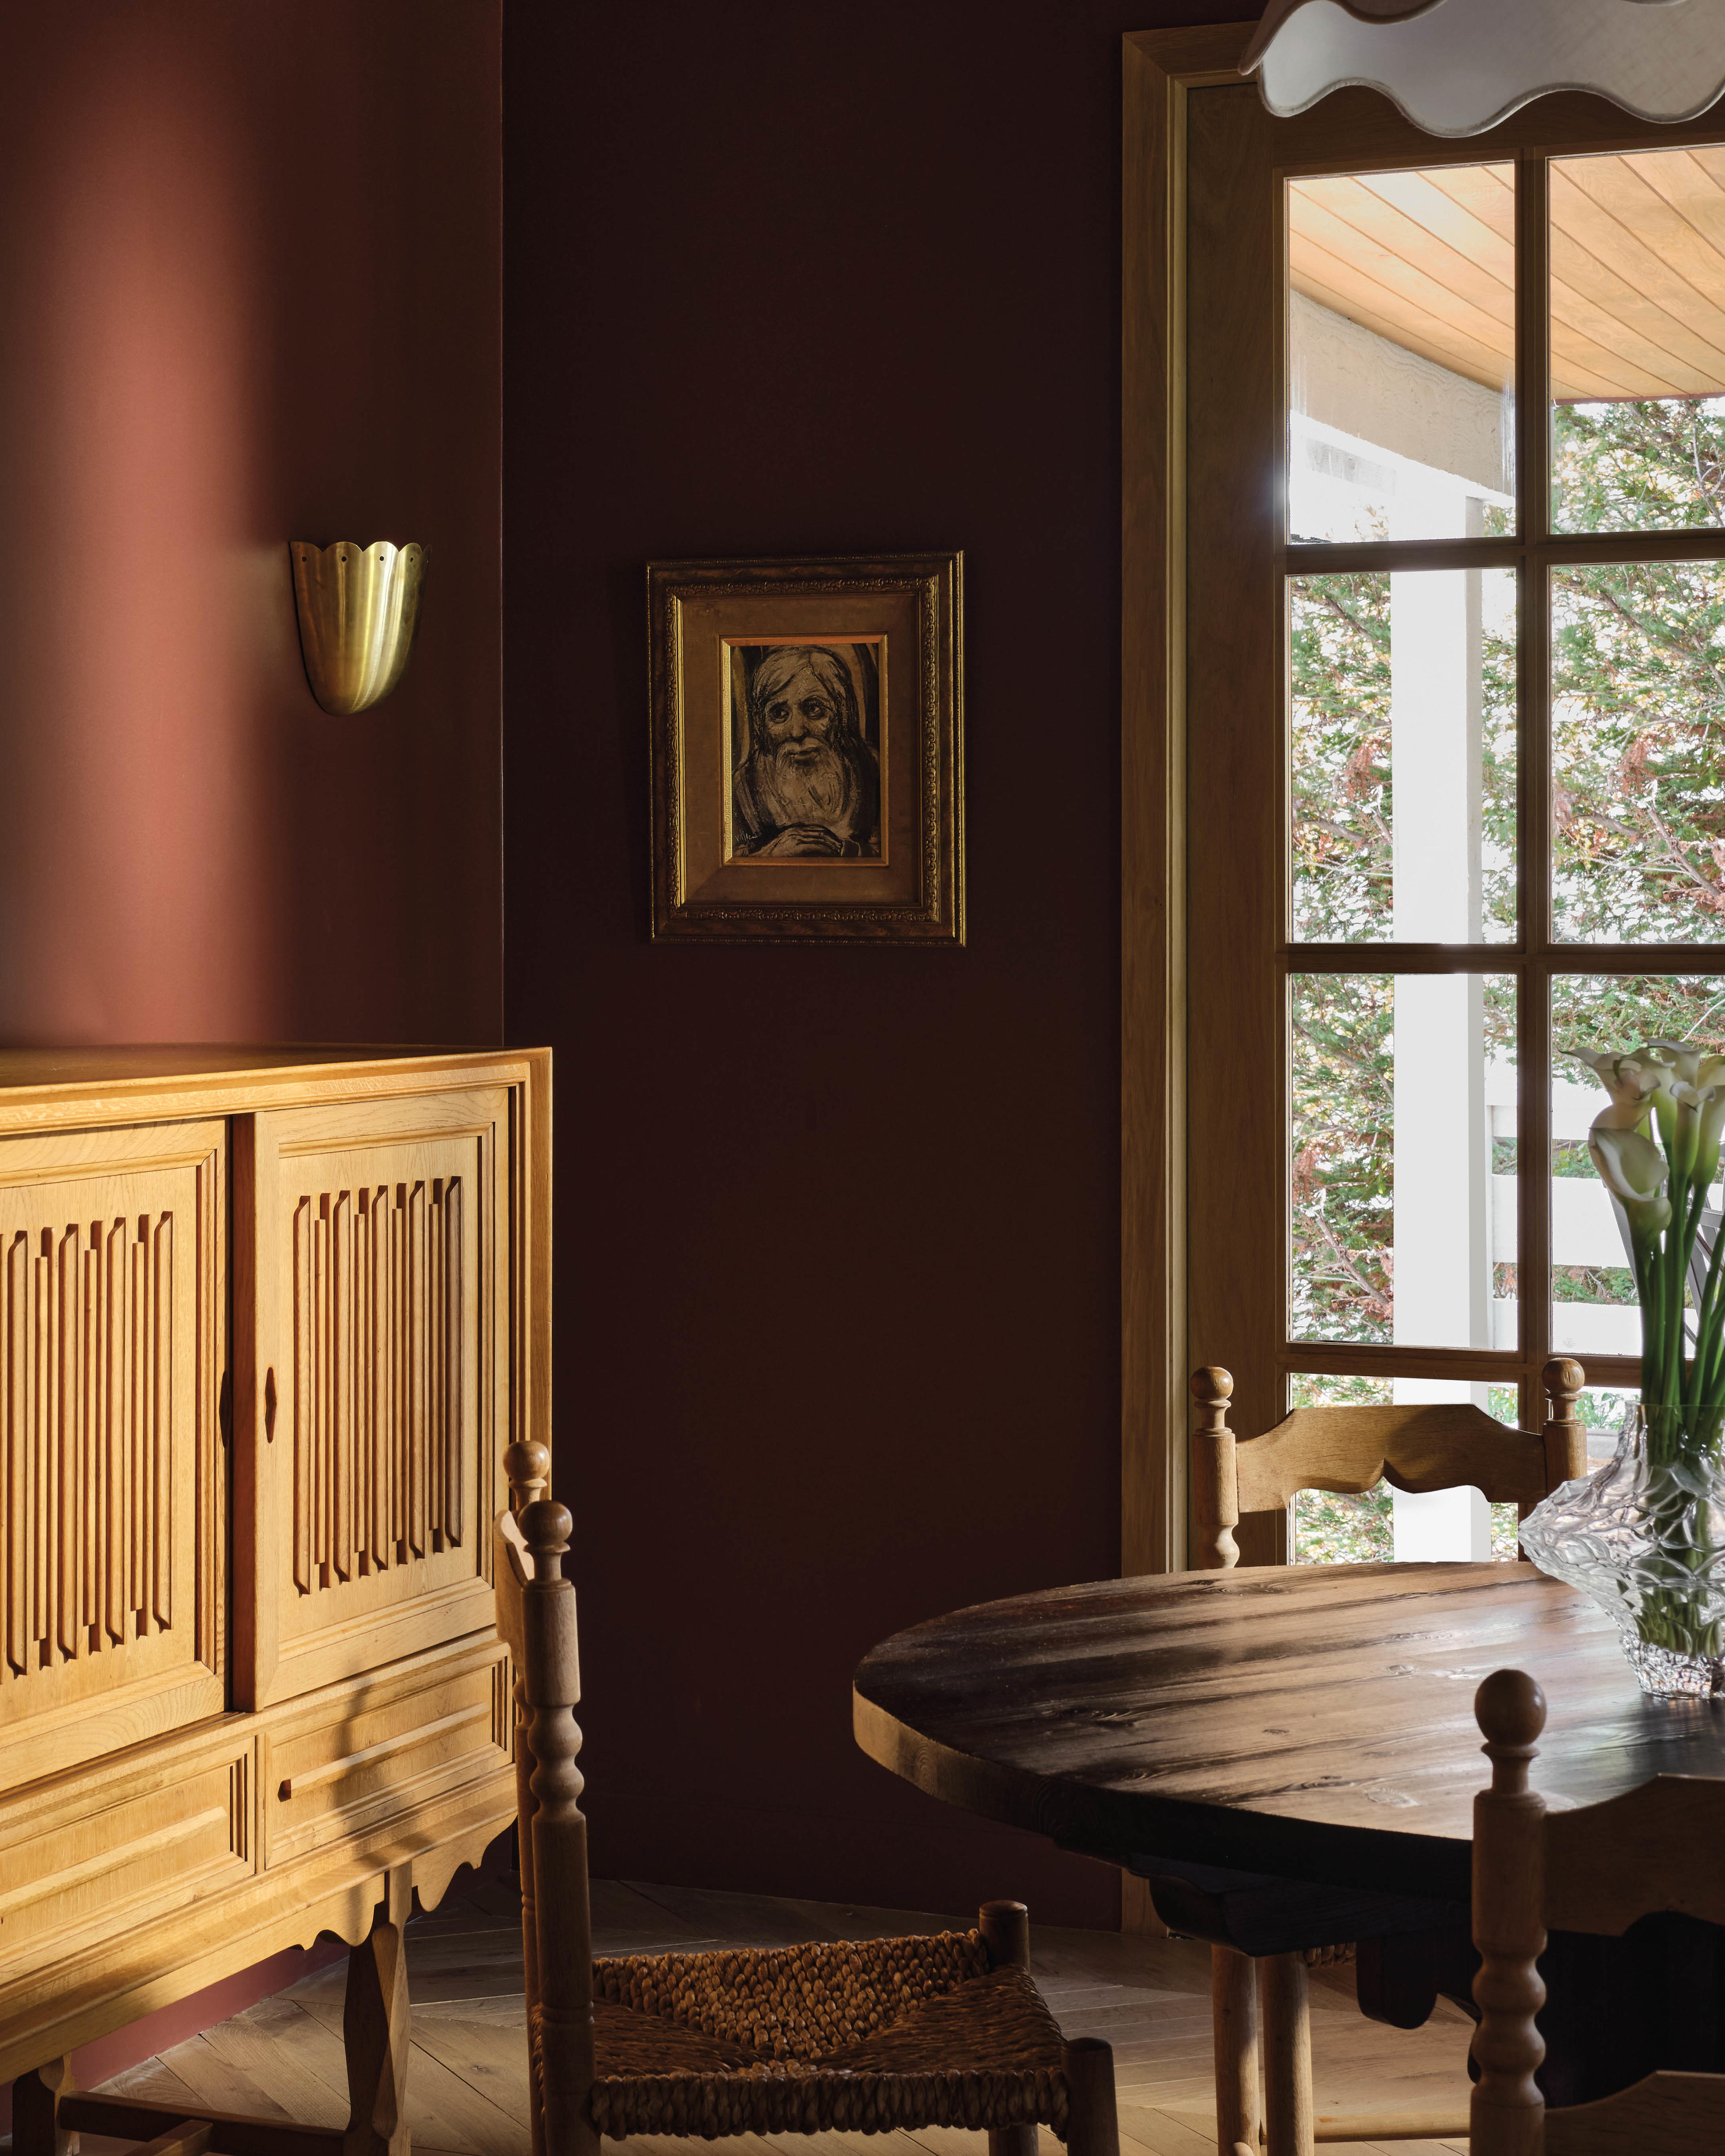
<point x="838" y="1250"/>
<point x="250" y="257"/>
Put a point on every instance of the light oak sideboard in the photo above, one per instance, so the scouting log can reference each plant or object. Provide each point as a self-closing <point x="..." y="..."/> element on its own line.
<point x="267" y="1319"/>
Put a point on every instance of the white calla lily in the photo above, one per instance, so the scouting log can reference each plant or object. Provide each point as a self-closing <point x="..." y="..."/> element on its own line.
<point x="1660" y="1072"/>
<point x="1713" y="1128"/>
<point x="1700" y="1109"/>
<point x="1632" y="1168"/>
<point x="1690" y="1062"/>
<point x="1628" y="1081"/>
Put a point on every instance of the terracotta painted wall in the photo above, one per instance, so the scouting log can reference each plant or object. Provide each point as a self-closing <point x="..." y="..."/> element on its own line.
<point x="838" y="1248"/>
<point x="249" y="292"/>
<point x="249" y="256"/>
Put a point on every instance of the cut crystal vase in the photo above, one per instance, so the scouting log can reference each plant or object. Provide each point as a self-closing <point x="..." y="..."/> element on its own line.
<point x="1644" y="1537"/>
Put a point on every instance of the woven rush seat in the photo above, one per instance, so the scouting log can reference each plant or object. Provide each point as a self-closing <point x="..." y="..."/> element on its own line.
<point x="869" y="2037"/>
<point x="857" y="2038"/>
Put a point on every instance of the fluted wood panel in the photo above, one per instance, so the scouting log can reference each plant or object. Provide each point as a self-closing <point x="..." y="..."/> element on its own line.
<point x="86" y="1374"/>
<point x="381" y="1234"/>
<point x="378" y="1396"/>
<point x="109" y="1467"/>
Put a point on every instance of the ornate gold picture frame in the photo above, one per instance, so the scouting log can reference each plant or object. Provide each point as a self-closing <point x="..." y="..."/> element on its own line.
<point x="807" y="750"/>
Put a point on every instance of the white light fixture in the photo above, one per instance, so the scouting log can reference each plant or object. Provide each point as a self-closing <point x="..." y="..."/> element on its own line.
<point x="1456" y="67"/>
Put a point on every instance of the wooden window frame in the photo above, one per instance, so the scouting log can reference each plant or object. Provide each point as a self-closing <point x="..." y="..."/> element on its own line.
<point x="1161" y="69"/>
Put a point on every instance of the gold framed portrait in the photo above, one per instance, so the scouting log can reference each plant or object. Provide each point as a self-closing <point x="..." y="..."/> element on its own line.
<point x="807" y="772"/>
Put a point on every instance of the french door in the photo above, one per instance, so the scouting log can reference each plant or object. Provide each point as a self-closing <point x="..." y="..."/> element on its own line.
<point x="1455" y="747"/>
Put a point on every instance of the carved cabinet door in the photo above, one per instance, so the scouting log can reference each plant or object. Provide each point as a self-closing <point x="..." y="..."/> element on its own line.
<point x="371" y="1315"/>
<point x="112" y="1493"/>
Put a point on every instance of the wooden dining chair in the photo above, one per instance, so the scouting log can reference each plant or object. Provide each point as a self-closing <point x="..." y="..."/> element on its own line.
<point x="874" y="2036"/>
<point x="1597" y="1870"/>
<point x="1259" y="1974"/>
<point x="1351" y="1450"/>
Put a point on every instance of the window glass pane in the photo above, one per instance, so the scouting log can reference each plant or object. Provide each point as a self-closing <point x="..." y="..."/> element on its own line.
<point x="1602" y="1409"/>
<point x="1638" y="340"/>
<point x="1383" y="1524"/>
<point x="1638" y="751"/>
<point x="1403" y="688"/>
<point x="1595" y="1308"/>
<point x="1402" y="1159"/>
<point x="1401" y="344"/>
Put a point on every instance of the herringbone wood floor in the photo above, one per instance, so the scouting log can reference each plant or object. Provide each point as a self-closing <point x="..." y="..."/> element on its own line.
<point x="467" y="2086"/>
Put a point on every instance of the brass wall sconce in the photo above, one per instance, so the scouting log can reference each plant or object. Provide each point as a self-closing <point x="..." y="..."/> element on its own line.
<point x="358" y="608"/>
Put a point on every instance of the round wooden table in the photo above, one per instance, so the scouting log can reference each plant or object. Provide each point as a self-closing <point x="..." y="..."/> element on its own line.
<point x="1311" y="1721"/>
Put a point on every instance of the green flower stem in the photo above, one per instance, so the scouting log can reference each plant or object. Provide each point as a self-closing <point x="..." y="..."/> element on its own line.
<point x="1709" y="1325"/>
<point x="1684" y="1399"/>
<point x="1647" y="1284"/>
<point x="1676" y="1259"/>
<point x="1660" y="1183"/>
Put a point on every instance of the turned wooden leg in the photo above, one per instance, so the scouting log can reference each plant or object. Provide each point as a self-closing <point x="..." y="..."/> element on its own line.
<point x="524" y="1765"/>
<point x="1233" y="2019"/>
<point x="1092" y="2127"/>
<point x="36" y="2129"/>
<point x="1287" y="2057"/>
<point x="376" y="2030"/>
<point x="1005" y="1927"/>
<point x="1012" y="2140"/>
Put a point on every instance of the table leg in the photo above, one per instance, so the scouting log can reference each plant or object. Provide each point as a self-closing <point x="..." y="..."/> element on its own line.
<point x="1005" y="1927"/>
<point x="36" y="2130"/>
<point x="1288" y="2057"/>
<point x="1092" y="2123"/>
<point x="1234" y="2020"/>
<point x="376" y="2030"/>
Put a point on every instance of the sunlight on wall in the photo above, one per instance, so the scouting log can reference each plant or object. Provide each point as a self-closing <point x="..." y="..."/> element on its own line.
<point x="132" y="896"/>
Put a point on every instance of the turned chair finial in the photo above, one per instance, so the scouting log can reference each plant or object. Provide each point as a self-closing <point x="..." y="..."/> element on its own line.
<point x="1563" y="1378"/>
<point x="547" y="1527"/>
<point x="1565" y="1434"/>
<point x="1215" y="1488"/>
<point x="1510" y="1709"/>
<point x="1212" y="1387"/>
<point x="527" y="1464"/>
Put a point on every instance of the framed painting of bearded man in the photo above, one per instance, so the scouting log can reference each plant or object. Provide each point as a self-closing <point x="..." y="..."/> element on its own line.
<point x="807" y="771"/>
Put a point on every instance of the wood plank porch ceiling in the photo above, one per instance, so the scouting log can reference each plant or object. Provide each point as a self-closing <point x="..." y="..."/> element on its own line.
<point x="1427" y="260"/>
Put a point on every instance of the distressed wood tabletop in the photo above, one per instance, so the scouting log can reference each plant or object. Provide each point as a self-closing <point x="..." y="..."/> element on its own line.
<point x="1311" y="1720"/>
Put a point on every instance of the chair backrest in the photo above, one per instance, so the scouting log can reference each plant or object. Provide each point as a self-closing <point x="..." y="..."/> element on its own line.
<point x="535" y="1619"/>
<point x="1597" y="1869"/>
<point x="1351" y="1450"/>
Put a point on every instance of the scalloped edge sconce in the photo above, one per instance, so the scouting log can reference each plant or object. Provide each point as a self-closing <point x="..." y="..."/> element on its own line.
<point x="358" y="608"/>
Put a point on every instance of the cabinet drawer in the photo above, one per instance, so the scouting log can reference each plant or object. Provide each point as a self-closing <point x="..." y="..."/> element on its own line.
<point x="80" y="1867"/>
<point x="359" y="1757"/>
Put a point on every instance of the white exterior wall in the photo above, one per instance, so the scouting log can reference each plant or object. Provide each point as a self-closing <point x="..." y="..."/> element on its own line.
<point x="1365" y="391"/>
<point x="1443" y="1213"/>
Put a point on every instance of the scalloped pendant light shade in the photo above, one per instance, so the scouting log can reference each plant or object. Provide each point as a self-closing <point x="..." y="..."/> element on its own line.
<point x="1456" y="67"/>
